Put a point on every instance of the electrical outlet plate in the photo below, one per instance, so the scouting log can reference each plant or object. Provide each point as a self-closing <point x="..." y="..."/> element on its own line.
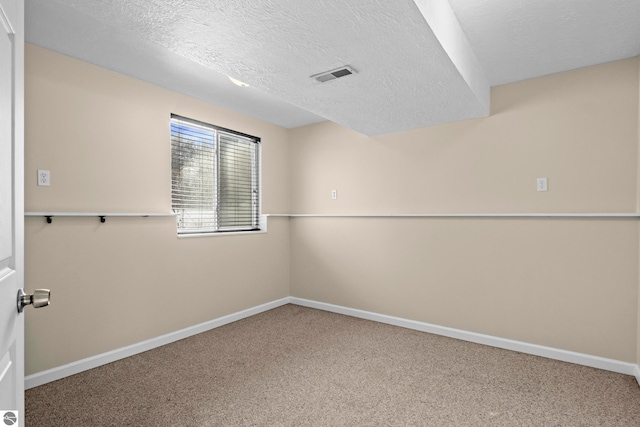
<point x="542" y="184"/>
<point x="334" y="194"/>
<point x="44" y="178"/>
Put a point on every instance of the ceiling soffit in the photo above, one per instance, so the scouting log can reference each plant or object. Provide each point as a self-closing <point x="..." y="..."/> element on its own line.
<point x="414" y="64"/>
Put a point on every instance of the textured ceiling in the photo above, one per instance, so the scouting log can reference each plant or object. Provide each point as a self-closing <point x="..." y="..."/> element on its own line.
<point x="520" y="39"/>
<point x="418" y="62"/>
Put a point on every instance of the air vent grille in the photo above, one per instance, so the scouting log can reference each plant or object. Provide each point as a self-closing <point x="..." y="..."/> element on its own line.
<point x="327" y="76"/>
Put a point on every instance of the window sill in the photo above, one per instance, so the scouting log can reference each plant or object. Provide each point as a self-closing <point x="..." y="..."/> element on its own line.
<point x="227" y="233"/>
<point x="263" y="230"/>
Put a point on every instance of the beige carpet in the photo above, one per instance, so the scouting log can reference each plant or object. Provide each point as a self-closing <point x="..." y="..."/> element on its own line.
<point x="295" y="366"/>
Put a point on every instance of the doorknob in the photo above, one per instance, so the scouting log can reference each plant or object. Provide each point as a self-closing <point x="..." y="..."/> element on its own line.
<point x="39" y="298"/>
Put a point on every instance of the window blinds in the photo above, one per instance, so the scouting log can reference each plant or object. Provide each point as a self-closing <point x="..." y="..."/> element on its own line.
<point x="215" y="178"/>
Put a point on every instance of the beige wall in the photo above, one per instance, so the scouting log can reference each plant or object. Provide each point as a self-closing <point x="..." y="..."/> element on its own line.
<point x="638" y="210"/>
<point x="579" y="129"/>
<point x="565" y="283"/>
<point x="105" y="138"/>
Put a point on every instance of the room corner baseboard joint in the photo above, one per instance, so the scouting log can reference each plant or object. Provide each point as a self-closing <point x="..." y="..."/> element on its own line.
<point x="69" y="369"/>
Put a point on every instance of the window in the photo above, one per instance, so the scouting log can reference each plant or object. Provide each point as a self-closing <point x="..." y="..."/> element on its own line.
<point x="215" y="178"/>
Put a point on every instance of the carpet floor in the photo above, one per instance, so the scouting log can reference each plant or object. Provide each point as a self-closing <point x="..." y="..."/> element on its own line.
<point x="296" y="366"/>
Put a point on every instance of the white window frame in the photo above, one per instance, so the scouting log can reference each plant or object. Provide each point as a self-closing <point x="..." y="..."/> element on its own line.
<point x="216" y="221"/>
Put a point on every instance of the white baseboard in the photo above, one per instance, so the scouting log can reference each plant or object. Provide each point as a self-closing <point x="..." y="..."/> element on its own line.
<point x="120" y="353"/>
<point x="523" y="347"/>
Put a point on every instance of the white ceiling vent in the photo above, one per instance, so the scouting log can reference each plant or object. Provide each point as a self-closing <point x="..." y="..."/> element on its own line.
<point x="334" y="74"/>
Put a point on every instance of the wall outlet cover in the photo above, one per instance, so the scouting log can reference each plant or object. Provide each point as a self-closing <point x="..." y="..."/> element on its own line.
<point x="44" y="178"/>
<point x="542" y="184"/>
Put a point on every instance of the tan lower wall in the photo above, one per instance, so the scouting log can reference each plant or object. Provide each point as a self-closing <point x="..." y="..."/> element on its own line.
<point x="567" y="284"/>
<point x="638" y="314"/>
<point x="128" y="280"/>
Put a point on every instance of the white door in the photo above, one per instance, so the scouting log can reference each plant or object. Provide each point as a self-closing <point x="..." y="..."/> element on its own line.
<point x="11" y="209"/>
